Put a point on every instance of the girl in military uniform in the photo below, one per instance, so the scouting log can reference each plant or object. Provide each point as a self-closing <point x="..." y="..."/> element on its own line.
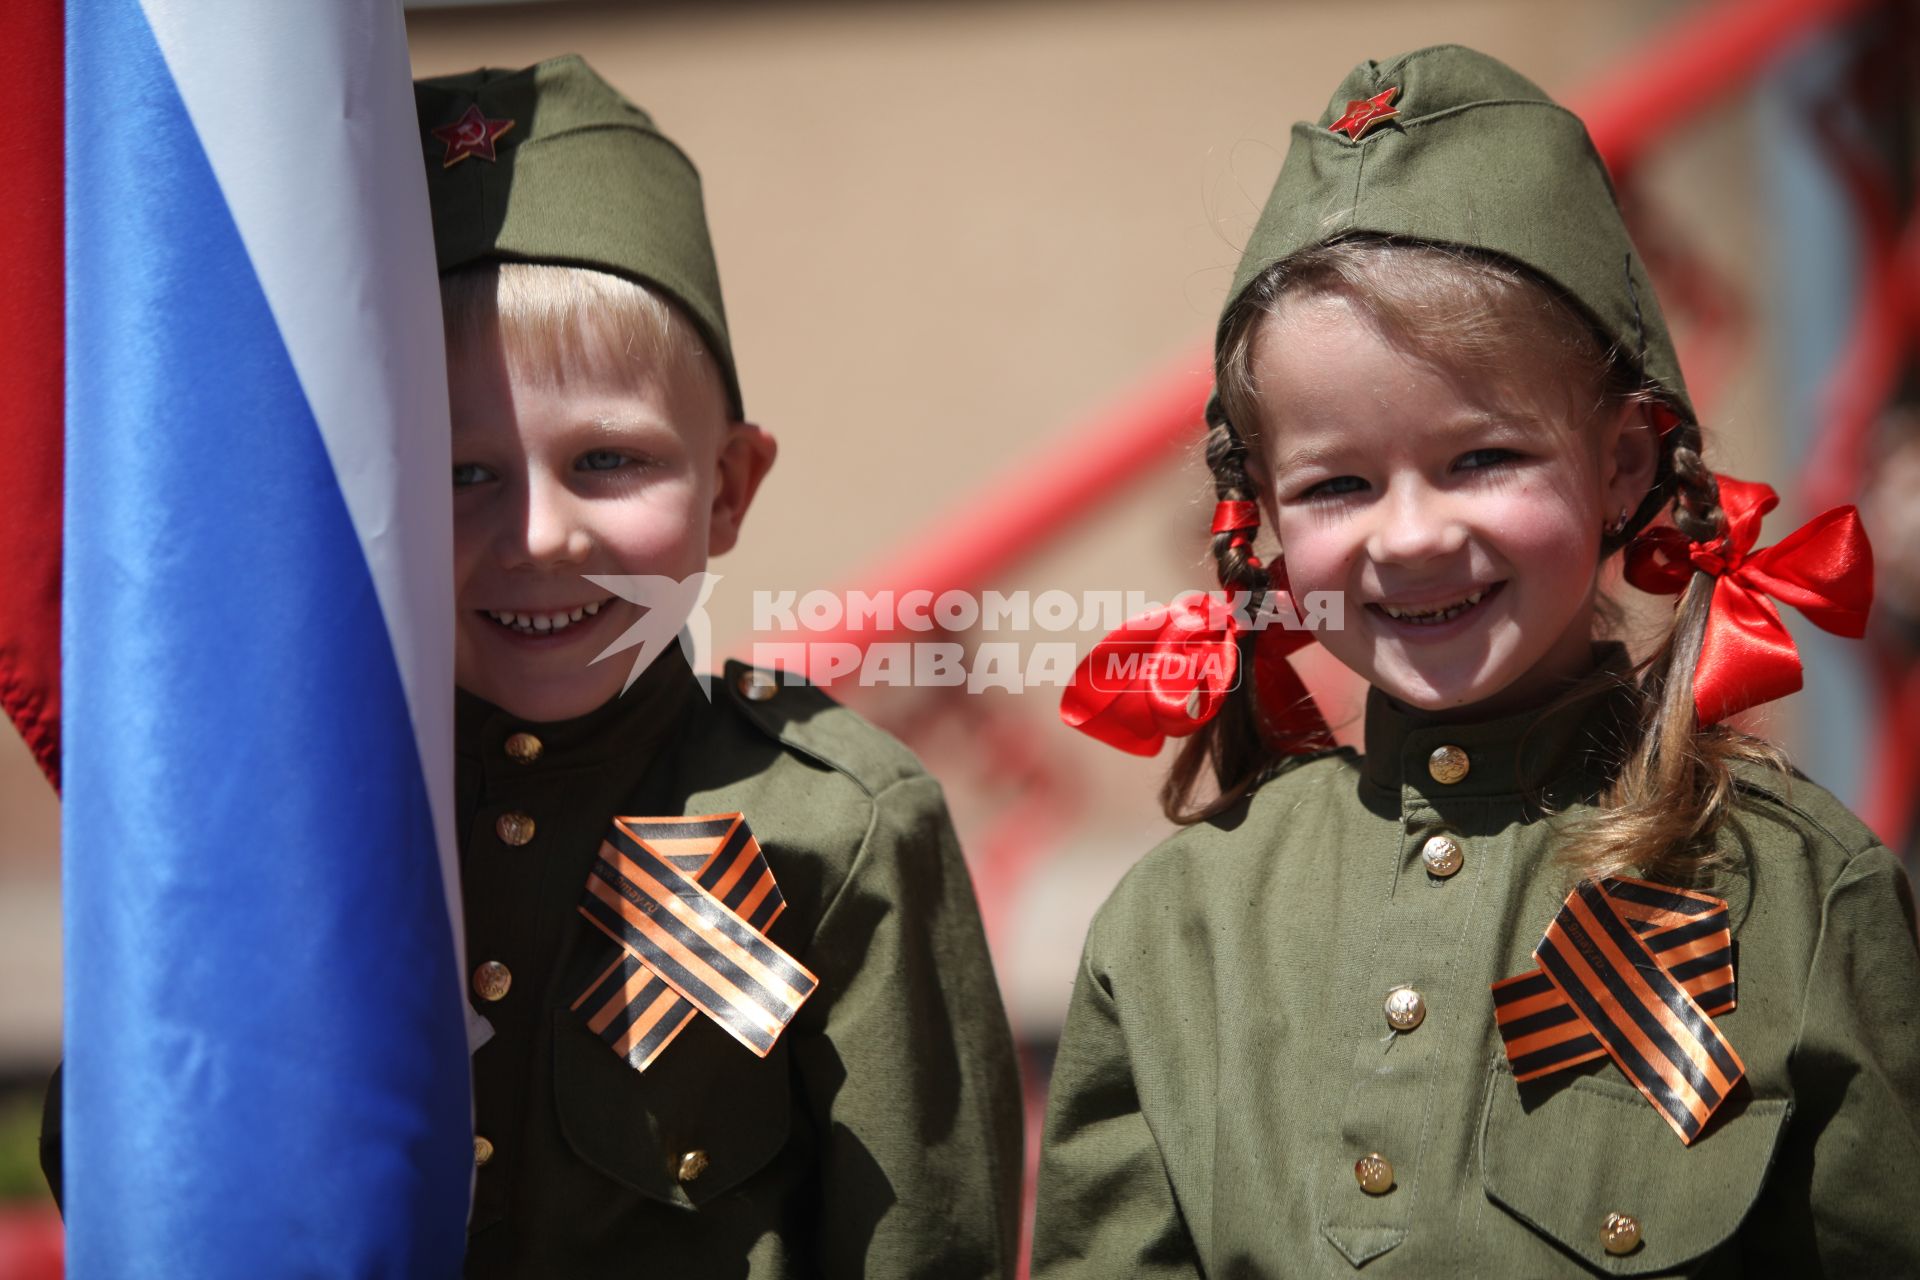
<point x="1561" y="974"/>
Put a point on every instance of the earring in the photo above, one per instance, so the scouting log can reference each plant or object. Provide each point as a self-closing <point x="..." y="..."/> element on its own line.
<point x="1617" y="526"/>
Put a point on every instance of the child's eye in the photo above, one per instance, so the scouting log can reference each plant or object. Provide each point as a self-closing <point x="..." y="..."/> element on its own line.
<point x="468" y="474"/>
<point x="1334" y="488"/>
<point x="1480" y="459"/>
<point x="602" y="460"/>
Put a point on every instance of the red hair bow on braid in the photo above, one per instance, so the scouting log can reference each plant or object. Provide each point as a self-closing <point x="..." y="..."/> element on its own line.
<point x="1824" y="569"/>
<point x="1166" y="672"/>
<point x="1242" y="520"/>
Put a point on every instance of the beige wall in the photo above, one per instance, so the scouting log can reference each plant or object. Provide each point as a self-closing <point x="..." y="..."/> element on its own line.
<point x="949" y="232"/>
<point x="29" y="911"/>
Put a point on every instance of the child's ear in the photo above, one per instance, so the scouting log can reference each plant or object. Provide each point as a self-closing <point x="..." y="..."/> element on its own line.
<point x="1632" y="460"/>
<point x="746" y="455"/>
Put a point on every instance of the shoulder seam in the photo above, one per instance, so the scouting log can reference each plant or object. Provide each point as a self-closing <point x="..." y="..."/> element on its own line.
<point x="1845" y="880"/>
<point x="906" y="780"/>
<point x="779" y="729"/>
<point x="859" y="859"/>
<point x="1852" y="850"/>
<point x="866" y="840"/>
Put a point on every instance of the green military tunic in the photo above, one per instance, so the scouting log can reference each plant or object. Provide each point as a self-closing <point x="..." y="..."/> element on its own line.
<point x="1227" y="1061"/>
<point x="882" y="1134"/>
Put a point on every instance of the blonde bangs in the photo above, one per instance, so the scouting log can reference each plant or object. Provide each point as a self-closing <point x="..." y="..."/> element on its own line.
<point x="560" y="323"/>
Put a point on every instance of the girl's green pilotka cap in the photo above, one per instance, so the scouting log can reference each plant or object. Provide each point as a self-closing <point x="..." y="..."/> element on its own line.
<point x="552" y="164"/>
<point x="1452" y="147"/>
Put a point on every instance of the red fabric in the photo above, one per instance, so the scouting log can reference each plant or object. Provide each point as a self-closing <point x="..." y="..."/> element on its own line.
<point x="1231" y="517"/>
<point x="32" y="372"/>
<point x="1242" y="520"/>
<point x="1290" y="721"/>
<point x="1824" y="569"/>
<point x="1166" y="672"/>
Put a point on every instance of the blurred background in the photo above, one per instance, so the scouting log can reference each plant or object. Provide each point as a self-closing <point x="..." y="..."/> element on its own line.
<point x="972" y="255"/>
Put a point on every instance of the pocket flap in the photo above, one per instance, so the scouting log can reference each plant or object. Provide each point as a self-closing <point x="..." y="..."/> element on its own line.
<point x="1566" y="1154"/>
<point x="707" y="1106"/>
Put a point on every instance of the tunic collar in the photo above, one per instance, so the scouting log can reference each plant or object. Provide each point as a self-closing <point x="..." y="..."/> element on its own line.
<point x="1513" y="755"/>
<point x="628" y="728"/>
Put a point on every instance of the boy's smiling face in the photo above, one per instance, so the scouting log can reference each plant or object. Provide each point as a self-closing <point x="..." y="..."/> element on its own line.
<point x="624" y="468"/>
<point x="1460" y="516"/>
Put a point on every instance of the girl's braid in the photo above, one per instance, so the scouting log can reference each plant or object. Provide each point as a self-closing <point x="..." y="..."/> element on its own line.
<point x="1227" y="751"/>
<point x="1696" y="497"/>
<point x="1238" y="567"/>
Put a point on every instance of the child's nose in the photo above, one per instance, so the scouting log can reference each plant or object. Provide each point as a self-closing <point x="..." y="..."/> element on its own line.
<point x="554" y="533"/>
<point x="1414" y="525"/>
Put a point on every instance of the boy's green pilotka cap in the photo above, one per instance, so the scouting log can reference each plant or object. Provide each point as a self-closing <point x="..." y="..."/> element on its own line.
<point x="1452" y="147"/>
<point x="552" y="164"/>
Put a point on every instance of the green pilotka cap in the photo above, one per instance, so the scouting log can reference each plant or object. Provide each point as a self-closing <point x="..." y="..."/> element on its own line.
<point x="551" y="164"/>
<point x="1452" y="147"/>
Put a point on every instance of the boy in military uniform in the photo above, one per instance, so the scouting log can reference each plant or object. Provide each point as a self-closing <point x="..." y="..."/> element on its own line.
<point x="753" y="1028"/>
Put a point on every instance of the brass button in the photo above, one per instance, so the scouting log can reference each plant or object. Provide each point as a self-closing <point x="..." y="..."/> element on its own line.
<point x="1405" y="1009"/>
<point x="524" y="748"/>
<point x="491" y="980"/>
<point x="690" y="1166"/>
<point x="1374" y="1173"/>
<point x="1448" y="765"/>
<point x="482" y="1150"/>
<point x="513" y="828"/>
<point x="1442" y="856"/>
<point x="758" y="686"/>
<point x="1620" y="1233"/>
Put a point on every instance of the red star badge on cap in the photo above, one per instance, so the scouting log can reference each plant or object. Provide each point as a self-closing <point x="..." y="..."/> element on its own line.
<point x="1364" y="113"/>
<point x="471" y="135"/>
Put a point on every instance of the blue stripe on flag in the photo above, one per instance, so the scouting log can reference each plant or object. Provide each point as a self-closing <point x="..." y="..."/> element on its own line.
<point x="266" y="1067"/>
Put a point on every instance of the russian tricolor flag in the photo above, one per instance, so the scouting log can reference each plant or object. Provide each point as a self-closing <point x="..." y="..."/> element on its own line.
<point x="266" y="1059"/>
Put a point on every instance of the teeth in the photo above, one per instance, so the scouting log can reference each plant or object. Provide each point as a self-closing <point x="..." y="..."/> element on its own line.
<point x="544" y="623"/>
<point x="1429" y="617"/>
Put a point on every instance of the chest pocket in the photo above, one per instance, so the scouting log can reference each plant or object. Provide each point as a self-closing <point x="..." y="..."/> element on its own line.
<point x="1562" y="1159"/>
<point x="705" y="1116"/>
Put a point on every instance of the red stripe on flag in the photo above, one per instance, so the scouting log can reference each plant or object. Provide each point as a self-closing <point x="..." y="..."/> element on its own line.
<point x="32" y="372"/>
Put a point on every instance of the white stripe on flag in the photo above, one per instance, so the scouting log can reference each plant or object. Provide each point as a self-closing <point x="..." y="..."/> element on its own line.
<point x="353" y="286"/>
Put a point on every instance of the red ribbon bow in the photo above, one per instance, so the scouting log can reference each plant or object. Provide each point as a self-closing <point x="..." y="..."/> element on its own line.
<point x="1166" y="672"/>
<point x="1242" y="520"/>
<point x="1824" y="569"/>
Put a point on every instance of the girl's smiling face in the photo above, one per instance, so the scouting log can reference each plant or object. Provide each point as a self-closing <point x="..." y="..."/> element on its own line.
<point x="1459" y="516"/>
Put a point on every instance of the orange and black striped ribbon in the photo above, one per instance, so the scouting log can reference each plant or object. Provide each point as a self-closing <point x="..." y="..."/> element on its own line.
<point x="1633" y="971"/>
<point x="687" y="903"/>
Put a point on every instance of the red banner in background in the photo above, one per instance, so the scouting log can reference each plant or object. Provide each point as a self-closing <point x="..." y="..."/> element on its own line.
<point x="32" y="371"/>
